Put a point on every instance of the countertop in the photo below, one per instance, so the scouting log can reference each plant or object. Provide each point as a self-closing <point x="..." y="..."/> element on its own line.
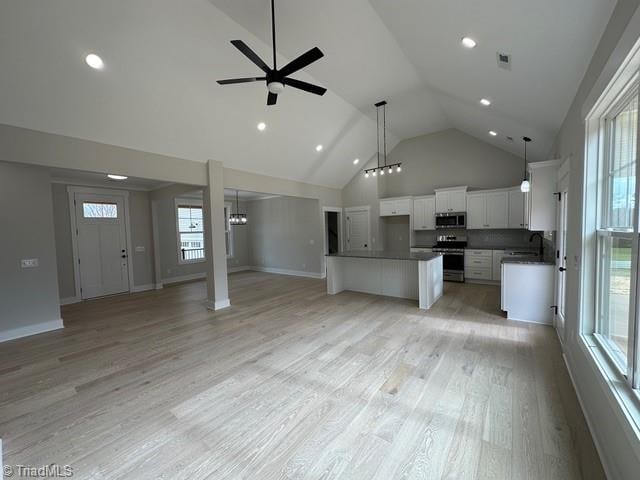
<point x="526" y="260"/>
<point x="496" y="247"/>
<point x="423" y="256"/>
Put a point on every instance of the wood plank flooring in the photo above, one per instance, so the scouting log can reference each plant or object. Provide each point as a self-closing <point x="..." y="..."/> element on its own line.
<point x="290" y="383"/>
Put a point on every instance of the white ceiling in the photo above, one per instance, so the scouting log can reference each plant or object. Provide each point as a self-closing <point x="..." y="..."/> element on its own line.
<point x="158" y="91"/>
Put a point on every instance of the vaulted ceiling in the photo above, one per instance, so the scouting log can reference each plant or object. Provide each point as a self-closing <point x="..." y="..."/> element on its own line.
<point x="158" y="93"/>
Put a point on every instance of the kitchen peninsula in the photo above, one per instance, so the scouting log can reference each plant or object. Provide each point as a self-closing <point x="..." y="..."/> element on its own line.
<point x="417" y="276"/>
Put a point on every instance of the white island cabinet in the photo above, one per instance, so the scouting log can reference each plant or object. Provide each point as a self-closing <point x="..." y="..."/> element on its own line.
<point x="527" y="290"/>
<point x="417" y="276"/>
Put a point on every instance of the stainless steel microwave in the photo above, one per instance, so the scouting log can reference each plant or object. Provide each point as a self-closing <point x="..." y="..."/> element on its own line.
<point x="451" y="220"/>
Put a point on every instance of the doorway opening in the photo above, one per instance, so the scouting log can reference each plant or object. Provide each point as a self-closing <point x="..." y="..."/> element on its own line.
<point x="332" y="235"/>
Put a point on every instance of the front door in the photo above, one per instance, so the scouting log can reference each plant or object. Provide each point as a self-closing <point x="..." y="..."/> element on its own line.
<point x="561" y="255"/>
<point x="102" y="246"/>
<point x="358" y="229"/>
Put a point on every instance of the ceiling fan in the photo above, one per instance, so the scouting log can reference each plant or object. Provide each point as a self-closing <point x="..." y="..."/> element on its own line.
<point x="274" y="78"/>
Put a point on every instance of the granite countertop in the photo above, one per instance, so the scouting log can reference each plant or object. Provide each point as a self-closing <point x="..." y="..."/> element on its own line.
<point x="424" y="256"/>
<point x="527" y="260"/>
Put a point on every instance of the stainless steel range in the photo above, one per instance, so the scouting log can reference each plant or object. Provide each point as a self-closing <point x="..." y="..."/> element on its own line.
<point x="452" y="247"/>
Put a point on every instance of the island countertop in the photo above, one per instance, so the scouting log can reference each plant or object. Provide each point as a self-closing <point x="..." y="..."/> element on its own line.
<point x="386" y="255"/>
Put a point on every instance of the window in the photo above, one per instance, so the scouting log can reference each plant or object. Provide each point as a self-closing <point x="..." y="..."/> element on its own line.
<point x="99" y="210"/>
<point x="612" y="130"/>
<point x="228" y="232"/>
<point x="190" y="231"/>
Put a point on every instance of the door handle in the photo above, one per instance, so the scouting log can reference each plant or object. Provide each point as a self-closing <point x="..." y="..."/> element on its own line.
<point x="562" y="269"/>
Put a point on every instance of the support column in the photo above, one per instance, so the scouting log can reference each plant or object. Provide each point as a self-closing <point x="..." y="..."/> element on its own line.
<point x="214" y="238"/>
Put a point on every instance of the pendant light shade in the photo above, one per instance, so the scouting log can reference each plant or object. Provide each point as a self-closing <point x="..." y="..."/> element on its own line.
<point x="384" y="168"/>
<point x="525" y="186"/>
<point x="238" y="218"/>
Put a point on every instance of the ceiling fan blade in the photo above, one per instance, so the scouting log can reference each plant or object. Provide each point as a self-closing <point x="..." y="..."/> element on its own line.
<point x="301" y="62"/>
<point x="250" y="54"/>
<point x="240" y="80"/>
<point x="272" y="98"/>
<point x="307" y="87"/>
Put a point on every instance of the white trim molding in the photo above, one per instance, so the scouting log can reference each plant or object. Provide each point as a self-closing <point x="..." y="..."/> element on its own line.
<point x="282" y="271"/>
<point x="70" y="300"/>
<point x="241" y="268"/>
<point x="29" y="330"/>
<point x="183" y="278"/>
<point x="143" y="288"/>
<point x="219" y="305"/>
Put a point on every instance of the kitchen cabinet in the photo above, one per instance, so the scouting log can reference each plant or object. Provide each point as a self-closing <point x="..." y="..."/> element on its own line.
<point x="390" y="207"/>
<point x="488" y="209"/>
<point x="516" y="208"/>
<point x="478" y="264"/>
<point x="496" y="270"/>
<point x="424" y="213"/>
<point x="527" y="292"/>
<point x="540" y="201"/>
<point x="451" y="199"/>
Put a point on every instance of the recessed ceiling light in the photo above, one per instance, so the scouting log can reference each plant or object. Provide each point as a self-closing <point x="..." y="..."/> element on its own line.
<point x="319" y="148"/>
<point x="468" y="42"/>
<point x="94" y="61"/>
<point x="356" y="161"/>
<point x="492" y="133"/>
<point x="117" y="177"/>
<point x="486" y="102"/>
<point x="262" y="126"/>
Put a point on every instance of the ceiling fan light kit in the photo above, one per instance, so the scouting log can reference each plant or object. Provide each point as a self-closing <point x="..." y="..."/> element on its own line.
<point x="385" y="168"/>
<point x="276" y="79"/>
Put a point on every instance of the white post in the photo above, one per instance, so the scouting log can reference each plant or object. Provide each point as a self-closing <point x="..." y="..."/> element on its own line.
<point x="214" y="239"/>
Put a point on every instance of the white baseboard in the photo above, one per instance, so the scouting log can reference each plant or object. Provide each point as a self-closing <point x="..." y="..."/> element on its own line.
<point x="28" y="330"/>
<point x="70" y="300"/>
<point x="143" y="288"/>
<point x="282" y="271"/>
<point x="159" y="286"/>
<point x="605" y="466"/>
<point x="219" y="305"/>
<point x="184" y="278"/>
<point x="241" y="268"/>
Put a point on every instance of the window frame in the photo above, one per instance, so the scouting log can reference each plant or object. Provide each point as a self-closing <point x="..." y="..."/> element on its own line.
<point x="181" y="201"/>
<point x="228" y="231"/>
<point x="598" y="152"/>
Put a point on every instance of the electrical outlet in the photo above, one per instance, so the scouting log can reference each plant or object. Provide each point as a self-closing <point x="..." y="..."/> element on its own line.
<point x="29" y="262"/>
<point x="312" y="242"/>
<point x="140" y="249"/>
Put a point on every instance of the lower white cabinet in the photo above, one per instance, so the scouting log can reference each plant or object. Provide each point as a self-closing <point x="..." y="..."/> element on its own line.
<point x="478" y="264"/>
<point x="527" y="292"/>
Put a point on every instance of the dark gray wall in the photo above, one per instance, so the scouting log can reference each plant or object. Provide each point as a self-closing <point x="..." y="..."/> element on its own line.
<point x="27" y="296"/>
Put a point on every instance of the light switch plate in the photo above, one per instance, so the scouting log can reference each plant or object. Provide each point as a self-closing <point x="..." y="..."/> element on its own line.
<point x="29" y="262"/>
<point x="140" y="249"/>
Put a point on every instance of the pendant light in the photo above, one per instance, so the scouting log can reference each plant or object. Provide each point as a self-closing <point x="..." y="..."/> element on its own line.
<point x="525" y="186"/>
<point x="238" y="218"/>
<point x="382" y="169"/>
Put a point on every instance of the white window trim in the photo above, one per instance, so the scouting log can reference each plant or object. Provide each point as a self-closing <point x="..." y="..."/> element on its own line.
<point x="194" y="202"/>
<point x="621" y="387"/>
<point x="227" y="226"/>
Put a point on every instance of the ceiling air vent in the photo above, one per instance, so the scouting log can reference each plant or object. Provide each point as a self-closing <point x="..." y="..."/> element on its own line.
<point x="504" y="60"/>
<point x="509" y="139"/>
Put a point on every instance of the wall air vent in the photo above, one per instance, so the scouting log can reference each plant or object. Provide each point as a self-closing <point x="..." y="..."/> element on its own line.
<point x="504" y="60"/>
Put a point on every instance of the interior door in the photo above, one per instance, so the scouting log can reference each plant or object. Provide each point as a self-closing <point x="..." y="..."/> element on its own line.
<point x="358" y="229"/>
<point x="102" y="246"/>
<point x="561" y="255"/>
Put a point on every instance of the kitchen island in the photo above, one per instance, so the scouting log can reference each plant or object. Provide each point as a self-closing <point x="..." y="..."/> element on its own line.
<point x="417" y="276"/>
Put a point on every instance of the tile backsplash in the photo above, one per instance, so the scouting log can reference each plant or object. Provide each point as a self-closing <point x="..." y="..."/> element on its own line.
<point x="482" y="238"/>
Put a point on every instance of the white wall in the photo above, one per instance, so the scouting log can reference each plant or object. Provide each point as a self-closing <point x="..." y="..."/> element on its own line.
<point x="28" y="297"/>
<point x="285" y="233"/>
<point x="619" y="445"/>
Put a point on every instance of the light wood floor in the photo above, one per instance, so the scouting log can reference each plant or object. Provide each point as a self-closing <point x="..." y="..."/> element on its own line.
<point x="292" y="383"/>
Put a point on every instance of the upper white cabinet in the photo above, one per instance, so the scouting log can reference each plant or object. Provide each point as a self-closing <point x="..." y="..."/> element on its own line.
<point x="540" y="202"/>
<point x="488" y="209"/>
<point x="516" y="208"/>
<point x="451" y="199"/>
<point x="424" y="213"/>
<point x="390" y="207"/>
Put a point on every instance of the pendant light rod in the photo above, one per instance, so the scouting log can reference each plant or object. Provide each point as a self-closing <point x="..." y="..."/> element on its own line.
<point x="273" y="32"/>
